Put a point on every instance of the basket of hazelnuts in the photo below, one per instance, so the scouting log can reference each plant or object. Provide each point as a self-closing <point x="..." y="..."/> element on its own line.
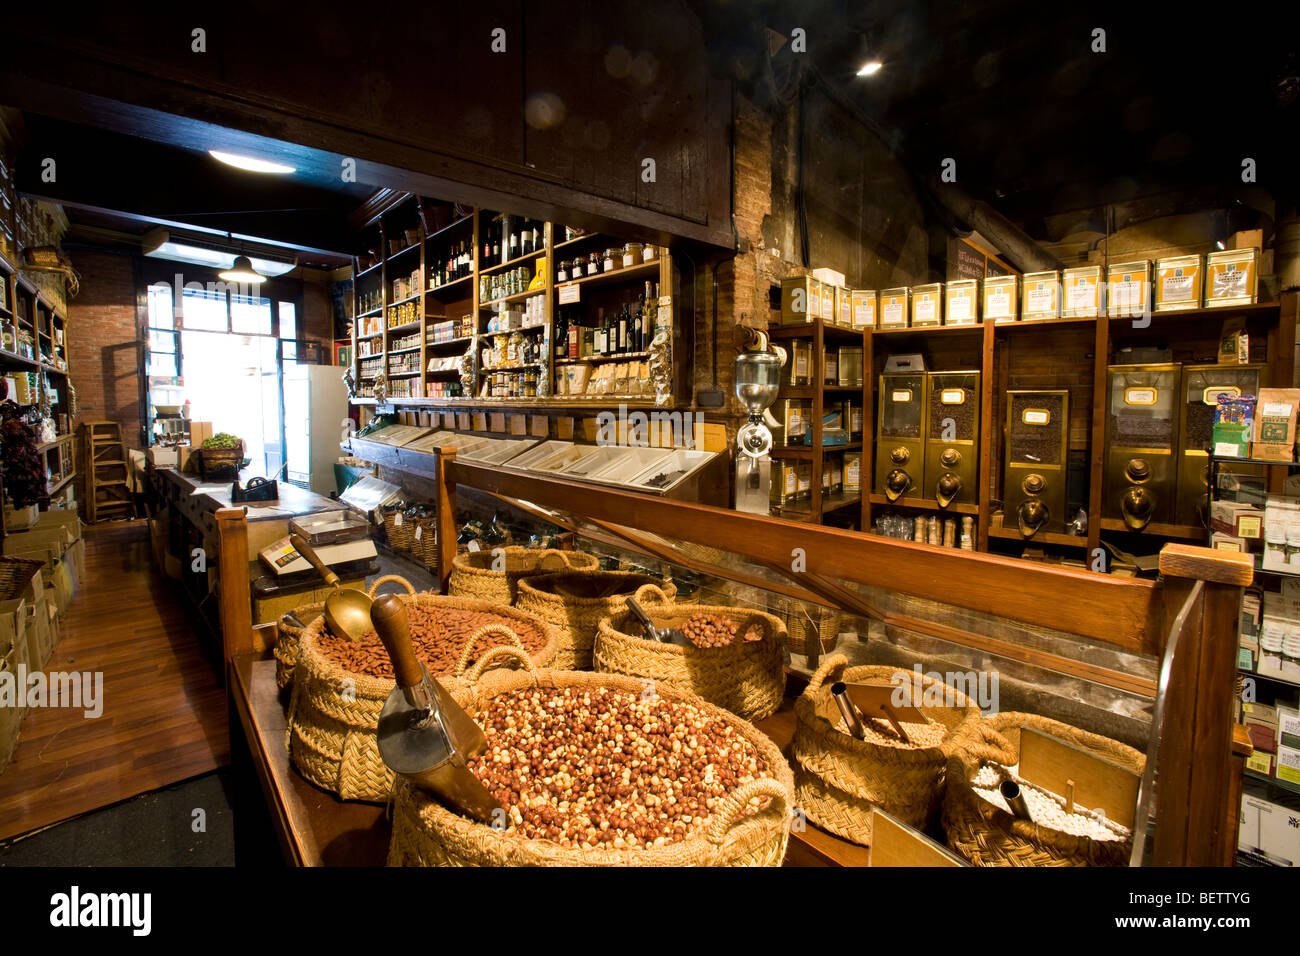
<point x="601" y="770"/>
<point x="734" y="657"/>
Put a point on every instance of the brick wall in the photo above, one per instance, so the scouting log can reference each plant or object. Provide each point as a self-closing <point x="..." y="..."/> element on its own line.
<point x="103" y="342"/>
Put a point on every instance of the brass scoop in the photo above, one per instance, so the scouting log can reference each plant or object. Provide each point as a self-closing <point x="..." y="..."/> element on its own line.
<point x="424" y="734"/>
<point x="347" y="610"/>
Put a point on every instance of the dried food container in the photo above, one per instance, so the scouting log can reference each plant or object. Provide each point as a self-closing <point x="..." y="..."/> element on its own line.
<point x="1001" y="295"/>
<point x="961" y="305"/>
<point x="1178" y="283"/>
<point x="895" y="308"/>
<point x="1083" y="292"/>
<point x="1232" y="277"/>
<point x="865" y="306"/>
<point x="1128" y="289"/>
<point x="927" y="305"/>
<point x="1040" y="295"/>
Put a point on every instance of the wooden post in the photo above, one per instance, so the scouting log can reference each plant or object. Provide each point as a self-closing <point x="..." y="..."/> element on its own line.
<point x="446" y="518"/>
<point x="1194" y="769"/>
<point x="236" y="599"/>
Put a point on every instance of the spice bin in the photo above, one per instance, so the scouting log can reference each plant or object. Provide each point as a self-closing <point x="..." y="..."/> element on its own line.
<point x="748" y="824"/>
<point x="334" y="712"/>
<point x="839" y="779"/>
<point x="987" y="834"/>
<point x="745" y="675"/>
<point x="574" y="602"/>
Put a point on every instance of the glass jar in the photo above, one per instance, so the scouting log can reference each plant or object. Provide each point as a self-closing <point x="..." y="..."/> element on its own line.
<point x="562" y="271"/>
<point x="649" y="252"/>
<point x="632" y="254"/>
<point x="593" y="264"/>
<point x="612" y="258"/>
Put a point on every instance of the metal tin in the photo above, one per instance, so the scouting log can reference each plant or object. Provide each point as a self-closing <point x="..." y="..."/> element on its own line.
<point x="1001" y="294"/>
<point x="1128" y="288"/>
<point x="801" y="300"/>
<point x="1140" y="479"/>
<point x="927" y="305"/>
<point x="894" y="307"/>
<point x="843" y="308"/>
<point x="852" y="472"/>
<point x="1082" y="292"/>
<point x="785" y="482"/>
<point x="850" y="371"/>
<point x="1178" y="283"/>
<point x="1232" y="277"/>
<point x="1040" y="295"/>
<point x="1035" y="453"/>
<point x="799" y="369"/>
<point x="865" y="308"/>
<point x="961" y="302"/>
<point x="900" y="435"/>
<point x="803" y="480"/>
<point x="952" y="438"/>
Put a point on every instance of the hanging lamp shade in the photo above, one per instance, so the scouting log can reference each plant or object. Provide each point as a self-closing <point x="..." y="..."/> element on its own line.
<point x="242" y="271"/>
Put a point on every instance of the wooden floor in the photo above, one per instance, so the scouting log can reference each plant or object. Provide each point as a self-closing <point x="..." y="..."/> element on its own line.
<point x="164" y="712"/>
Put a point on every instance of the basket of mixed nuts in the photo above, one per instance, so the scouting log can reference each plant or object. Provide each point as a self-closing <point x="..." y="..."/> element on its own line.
<point x="982" y="827"/>
<point x="494" y="575"/>
<point x="340" y="686"/>
<point x="737" y="660"/>
<point x="576" y="601"/>
<point x="840" y="779"/>
<point x="287" y="636"/>
<point x="602" y="770"/>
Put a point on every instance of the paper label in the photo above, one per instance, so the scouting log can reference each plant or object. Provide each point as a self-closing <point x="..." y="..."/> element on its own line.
<point x="570" y="294"/>
<point x="925" y="310"/>
<point x="472" y="546"/>
<point x="1276" y="410"/>
<point x="952" y="396"/>
<point x="855" y="419"/>
<point x="901" y="395"/>
<point x="801" y="364"/>
<point x="1081" y="295"/>
<point x="1036" y="416"/>
<point x="853" y="471"/>
<point x="1139" y="396"/>
<point x="1127" y="295"/>
<point x="997" y="305"/>
<point x="1176" y="288"/>
<point x="892" y="314"/>
<point x="397" y="519"/>
<point x="1231" y="282"/>
<point x="1040" y="299"/>
<point x="828" y="305"/>
<point x="1226" y="449"/>
<point x="419" y="532"/>
<point x="862" y="317"/>
<point x="959" y="306"/>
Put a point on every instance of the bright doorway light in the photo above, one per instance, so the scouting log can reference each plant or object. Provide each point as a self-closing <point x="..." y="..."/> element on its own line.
<point x="249" y="163"/>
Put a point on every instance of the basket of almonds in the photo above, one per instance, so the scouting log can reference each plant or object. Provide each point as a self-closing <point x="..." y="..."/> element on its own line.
<point x="340" y="686"/>
<point x="287" y="635"/>
<point x="494" y="575"/>
<point x="576" y="601"/>
<point x="840" y="779"/>
<point x="601" y="770"/>
<point x="736" y="657"/>
<point x="983" y="828"/>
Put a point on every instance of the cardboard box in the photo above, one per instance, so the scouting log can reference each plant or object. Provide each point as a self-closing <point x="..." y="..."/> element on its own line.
<point x="1271" y="829"/>
<point x="199" y="433"/>
<point x="62" y="518"/>
<point x="163" y="457"/>
<point x="13" y="630"/>
<point x="1288" y="744"/>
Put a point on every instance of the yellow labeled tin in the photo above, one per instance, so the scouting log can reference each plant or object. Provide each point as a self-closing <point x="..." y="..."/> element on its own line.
<point x="894" y="311"/>
<point x="1128" y="288"/>
<point x="961" y="302"/>
<point x="801" y="300"/>
<point x="927" y="305"/>
<point x="1232" y="277"/>
<point x="864" y="308"/>
<point x="1001" y="298"/>
<point x="1040" y="295"/>
<point x="1081" y="294"/>
<point x="1178" y="283"/>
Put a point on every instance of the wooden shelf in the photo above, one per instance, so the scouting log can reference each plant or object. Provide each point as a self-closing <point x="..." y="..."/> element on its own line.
<point x="403" y="251"/>
<point x="406" y="326"/>
<point x="1183" y="531"/>
<point x="460" y="341"/>
<point x="830" y="503"/>
<point x="625" y="357"/>
<point x="808" y="330"/>
<point x="413" y="348"/>
<point x="580" y="239"/>
<point x="512" y="297"/>
<point x="449" y="227"/>
<point x="1042" y="537"/>
<point x="977" y="329"/>
<point x="439" y="289"/>
<point x="366" y="271"/>
<point x="63" y="482"/>
<point x="403" y="374"/>
<point x="513" y="263"/>
<point x="924" y="504"/>
<point x="614" y="275"/>
<point x="1217" y="312"/>
<point x="1035" y="323"/>
<point x="410" y="298"/>
<point x="47" y="446"/>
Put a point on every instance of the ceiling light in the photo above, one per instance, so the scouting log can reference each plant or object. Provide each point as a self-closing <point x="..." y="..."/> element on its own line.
<point x="249" y="163"/>
<point x="1218" y="243"/>
<point x="870" y="67"/>
<point x="242" y="271"/>
<point x="159" y="243"/>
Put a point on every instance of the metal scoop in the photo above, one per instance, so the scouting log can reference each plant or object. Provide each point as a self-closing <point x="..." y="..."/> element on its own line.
<point x="424" y="735"/>
<point x="666" y="635"/>
<point x="347" y="610"/>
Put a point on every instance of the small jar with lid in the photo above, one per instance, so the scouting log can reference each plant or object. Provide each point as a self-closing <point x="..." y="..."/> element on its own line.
<point x="1275" y="544"/>
<point x="562" y="271"/>
<point x="593" y="264"/>
<point x="649" y="252"/>
<point x="613" y="257"/>
<point x="632" y="254"/>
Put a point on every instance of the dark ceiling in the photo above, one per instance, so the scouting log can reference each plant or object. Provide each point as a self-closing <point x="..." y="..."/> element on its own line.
<point x="112" y="181"/>
<point x="1036" y="121"/>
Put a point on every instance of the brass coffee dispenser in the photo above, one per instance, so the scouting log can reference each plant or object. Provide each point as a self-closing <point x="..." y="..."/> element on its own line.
<point x="900" y="435"/>
<point x="1201" y="388"/>
<point x="1035" y="454"/>
<point x="1140" y="482"/>
<point x="952" y="438"/>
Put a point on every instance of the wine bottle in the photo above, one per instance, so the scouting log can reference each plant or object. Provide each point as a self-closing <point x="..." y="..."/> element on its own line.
<point x="622" y="330"/>
<point x="513" y="251"/>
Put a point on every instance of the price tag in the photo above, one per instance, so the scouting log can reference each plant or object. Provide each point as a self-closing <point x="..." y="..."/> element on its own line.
<point x="1034" y="416"/>
<point x="397" y="519"/>
<point x="419" y="532"/>
<point x="473" y="546"/>
<point x="570" y="294"/>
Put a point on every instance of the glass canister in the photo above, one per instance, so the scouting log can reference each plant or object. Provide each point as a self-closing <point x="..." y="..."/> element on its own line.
<point x="562" y="271"/>
<point x="649" y="253"/>
<point x="593" y="264"/>
<point x="632" y="254"/>
<point x="613" y="258"/>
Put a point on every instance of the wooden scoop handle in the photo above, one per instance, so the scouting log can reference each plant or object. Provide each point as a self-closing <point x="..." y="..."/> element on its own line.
<point x="394" y="629"/>
<point x="307" y="551"/>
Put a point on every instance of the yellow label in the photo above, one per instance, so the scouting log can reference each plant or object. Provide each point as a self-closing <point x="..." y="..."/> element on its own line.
<point x="953" y="396"/>
<point x="1261" y="761"/>
<point x="1211" y="395"/>
<point x="901" y="395"/>
<point x="1140" y="396"/>
<point x="1036" y="416"/>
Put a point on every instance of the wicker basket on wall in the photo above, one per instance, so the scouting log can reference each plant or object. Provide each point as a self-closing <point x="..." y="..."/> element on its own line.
<point x="287" y="636"/>
<point x="427" y="834"/>
<point x="840" y="779"/>
<point x="987" y="835"/>
<point x="473" y="575"/>
<point x="576" y="601"/>
<point x="744" y="677"/>
<point x="334" y="713"/>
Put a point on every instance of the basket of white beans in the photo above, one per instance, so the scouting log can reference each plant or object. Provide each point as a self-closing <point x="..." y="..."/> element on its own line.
<point x="981" y="827"/>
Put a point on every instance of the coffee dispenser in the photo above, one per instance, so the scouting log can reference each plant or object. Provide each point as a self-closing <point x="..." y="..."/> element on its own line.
<point x="952" y="438"/>
<point x="1201" y="388"/>
<point x="1140" y="481"/>
<point x="1035" y="456"/>
<point x="900" y="435"/>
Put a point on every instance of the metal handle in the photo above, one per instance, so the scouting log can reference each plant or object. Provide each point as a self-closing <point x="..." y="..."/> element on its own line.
<point x="644" y="618"/>
<point x="850" y="713"/>
<point x="1010" y="791"/>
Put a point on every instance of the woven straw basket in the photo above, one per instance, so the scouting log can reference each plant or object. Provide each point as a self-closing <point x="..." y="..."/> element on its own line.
<point x="744" y="677"/>
<point x="840" y="779"/>
<point x="575" y="602"/>
<point x="472" y="575"/>
<point x="427" y="834"/>
<point x="286" y="643"/>
<point x="333" y="739"/>
<point x="989" y="836"/>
